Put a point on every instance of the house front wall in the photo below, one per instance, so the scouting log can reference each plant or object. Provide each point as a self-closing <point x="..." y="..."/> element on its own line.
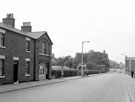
<point x="15" y="49"/>
<point x="43" y="59"/>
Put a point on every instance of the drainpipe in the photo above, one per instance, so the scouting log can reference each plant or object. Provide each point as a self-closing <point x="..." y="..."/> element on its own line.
<point x="34" y="73"/>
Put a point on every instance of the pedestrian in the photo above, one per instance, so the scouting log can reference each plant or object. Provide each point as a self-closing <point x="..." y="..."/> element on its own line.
<point x="132" y="73"/>
<point x="87" y="73"/>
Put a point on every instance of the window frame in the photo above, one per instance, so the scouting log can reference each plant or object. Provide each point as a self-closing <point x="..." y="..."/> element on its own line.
<point x="2" y="67"/>
<point x="43" y="47"/>
<point x="41" y="69"/>
<point x="2" y="40"/>
<point x="27" y="45"/>
<point x="27" y="67"/>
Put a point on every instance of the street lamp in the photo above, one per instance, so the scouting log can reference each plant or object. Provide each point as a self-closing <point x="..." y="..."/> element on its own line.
<point x="125" y="62"/>
<point x="82" y="57"/>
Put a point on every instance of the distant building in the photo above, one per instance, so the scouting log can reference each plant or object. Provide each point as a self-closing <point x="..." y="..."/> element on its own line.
<point x="24" y="55"/>
<point x="130" y="63"/>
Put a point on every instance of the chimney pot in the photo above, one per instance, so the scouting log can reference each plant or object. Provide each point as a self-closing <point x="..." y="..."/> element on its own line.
<point x="10" y="15"/>
<point x="26" y="27"/>
<point x="9" y="20"/>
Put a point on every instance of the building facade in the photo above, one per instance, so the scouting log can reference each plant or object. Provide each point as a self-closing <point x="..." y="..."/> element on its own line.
<point x="24" y="55"/>
<point x="130" y="64"/>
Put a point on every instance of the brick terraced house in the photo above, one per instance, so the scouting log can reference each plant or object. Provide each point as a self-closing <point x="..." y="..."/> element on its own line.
<point x="24" y="55"/>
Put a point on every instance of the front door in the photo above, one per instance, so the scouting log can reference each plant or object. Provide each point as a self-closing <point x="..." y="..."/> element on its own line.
<point x="15" y="71"/>
<point x="47" y="70"/>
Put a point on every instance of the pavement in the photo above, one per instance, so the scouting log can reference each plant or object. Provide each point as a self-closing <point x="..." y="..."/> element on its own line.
<point x="130" y="84"/>
<point x="26" y="85"/>
<point x="31" y="84"/>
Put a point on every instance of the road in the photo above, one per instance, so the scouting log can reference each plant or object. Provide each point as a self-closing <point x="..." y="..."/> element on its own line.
<point x="101" y="88"/>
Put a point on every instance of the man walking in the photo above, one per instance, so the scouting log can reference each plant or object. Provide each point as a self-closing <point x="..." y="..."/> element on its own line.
<point x="132" y="73"/>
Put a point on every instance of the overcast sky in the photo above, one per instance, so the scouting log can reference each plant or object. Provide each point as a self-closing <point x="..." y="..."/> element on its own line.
<point x="108" y="24"/>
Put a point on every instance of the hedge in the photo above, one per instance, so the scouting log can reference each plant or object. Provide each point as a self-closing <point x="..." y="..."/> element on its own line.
<point x="69" y="73"/>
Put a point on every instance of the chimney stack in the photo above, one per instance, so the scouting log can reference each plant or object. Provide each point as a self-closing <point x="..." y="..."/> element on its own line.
<point x="9" y="20"/>
<point x="26" y="27"/>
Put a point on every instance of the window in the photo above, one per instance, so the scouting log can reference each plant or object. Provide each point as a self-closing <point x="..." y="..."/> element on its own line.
<point x="27" y="45"/>
<point x="41" y="69"/>
<point x="130" y="64"/>
<point x="43" y="48"/>
<point x="1" y="67"/>
<point x="2" y="39"/>
<point x="27" y="67"/>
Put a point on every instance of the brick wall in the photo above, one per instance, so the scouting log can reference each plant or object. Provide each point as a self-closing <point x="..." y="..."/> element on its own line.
<point x="15" y="47"/>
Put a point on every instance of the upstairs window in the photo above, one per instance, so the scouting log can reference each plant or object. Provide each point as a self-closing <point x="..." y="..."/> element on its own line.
<point x="27" y="44"/>
<point x="43" y="48"/>
<point x="2" y="39"/>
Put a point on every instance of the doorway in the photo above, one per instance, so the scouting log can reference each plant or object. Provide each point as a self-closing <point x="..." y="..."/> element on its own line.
<point x="15" y="71"/>
<point x="47" y="70"/>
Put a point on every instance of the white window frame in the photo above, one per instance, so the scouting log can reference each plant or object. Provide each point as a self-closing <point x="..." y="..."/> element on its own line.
<point x="3" y="31"/>
<point x="28" y="39"/>
<point x="27" y="59"/>
<point x="2" y="57"/>
<point x="16" y="58"/>
<point x="44" y="54"/>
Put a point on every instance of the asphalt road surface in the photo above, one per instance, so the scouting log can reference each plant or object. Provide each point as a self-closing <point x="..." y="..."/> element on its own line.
<point x="101" y="88"/>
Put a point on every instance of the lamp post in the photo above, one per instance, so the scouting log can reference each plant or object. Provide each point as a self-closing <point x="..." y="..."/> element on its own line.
<point x="125" y="62"/>
<point x="82" y="58"/>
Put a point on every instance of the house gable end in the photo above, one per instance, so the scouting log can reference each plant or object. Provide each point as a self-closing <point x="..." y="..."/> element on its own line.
<point x="46" y="37"/>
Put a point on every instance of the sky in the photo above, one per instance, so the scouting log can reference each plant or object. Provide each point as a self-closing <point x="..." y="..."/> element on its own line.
<point x="108" y="24"/>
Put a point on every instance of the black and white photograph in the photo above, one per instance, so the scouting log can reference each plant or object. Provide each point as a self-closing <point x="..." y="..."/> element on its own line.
<point x="67" y="51"/>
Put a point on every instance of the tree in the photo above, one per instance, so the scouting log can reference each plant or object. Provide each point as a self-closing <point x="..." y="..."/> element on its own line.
<point x="91" y="66"/>
<point x="77" y="59"/>
<point x="113" y="64"/>
<point x="61" y="62"/>
<point x="98" y="58"/>
<point x="94" y="61"/>
<point x="69" y="62"/>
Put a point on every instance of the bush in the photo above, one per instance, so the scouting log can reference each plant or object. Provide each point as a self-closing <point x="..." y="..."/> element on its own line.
<point x="69" y="73"/>
<point x="56" y="73"/>
<point x="89" y="72"/>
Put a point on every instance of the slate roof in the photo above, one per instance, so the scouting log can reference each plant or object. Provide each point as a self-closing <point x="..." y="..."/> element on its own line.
<point x="37" y="35"/>
<point x="34" y="35"/>
<point x="11" y="29"/>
